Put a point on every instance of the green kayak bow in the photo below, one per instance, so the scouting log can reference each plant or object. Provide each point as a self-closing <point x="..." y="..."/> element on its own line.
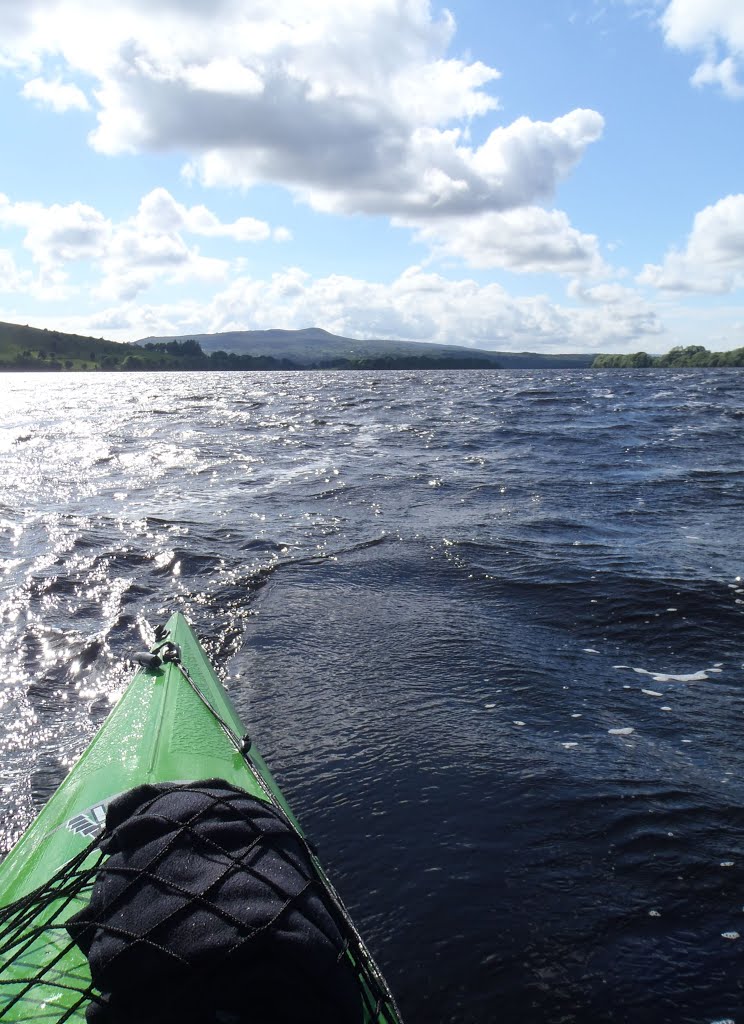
<point x="174" y="724"/>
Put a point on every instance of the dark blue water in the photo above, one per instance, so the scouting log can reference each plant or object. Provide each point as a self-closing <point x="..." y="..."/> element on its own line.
<point x="485" y="626"/>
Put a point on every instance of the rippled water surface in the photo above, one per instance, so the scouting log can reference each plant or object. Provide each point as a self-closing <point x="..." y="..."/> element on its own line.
<point x="485" y="626"/>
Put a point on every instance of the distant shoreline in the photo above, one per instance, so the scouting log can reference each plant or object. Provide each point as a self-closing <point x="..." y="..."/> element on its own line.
<point x="121" y="371"/>
<point x="26" y="349"/>
<point x="682" y="357"/>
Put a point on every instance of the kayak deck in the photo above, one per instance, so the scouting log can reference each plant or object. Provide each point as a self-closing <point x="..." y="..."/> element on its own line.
<point x="174" y="723"/>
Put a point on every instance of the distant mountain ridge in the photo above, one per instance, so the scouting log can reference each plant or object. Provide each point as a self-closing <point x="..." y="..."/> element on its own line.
<point x="313" y="346"/>
<point x="32" y="348"/>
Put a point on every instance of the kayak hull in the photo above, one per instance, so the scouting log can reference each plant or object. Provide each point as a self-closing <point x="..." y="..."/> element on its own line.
<point x="174" y="723"/>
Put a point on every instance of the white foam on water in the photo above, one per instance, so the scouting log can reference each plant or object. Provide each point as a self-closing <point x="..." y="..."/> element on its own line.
<point x="730" y="935"/>
<point x="665" y="707"/>
<point x="625" y="731"/>
<point x="652" y="693"/>
<point x="519" y="723"/>
<point x="589" y="650"/>
<point x="576" y="715"/>
<point x="654" y="913"/>
<point x="727" y="863"/>
<point x="670" y="677"/>
<point x="569" y="745"/>
<point x="489" y="706"/>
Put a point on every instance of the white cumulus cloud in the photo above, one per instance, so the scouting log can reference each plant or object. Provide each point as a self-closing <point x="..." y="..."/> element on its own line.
<point x="424" y="306"/>
<point x="160" y="212"/>
<point x="57" y="234"/>
<point x="131" y="255"/>
<point x="354" y="105"/>
<point x="11" y="278"/>
<point x="715" y="30"/>
<point x="526" y="239"/>
<point x="58" y="95"/>
<point x="712" y="260"/>
<point x="417" y="171"/>
<point x="417" y="306"/>
<point x="607" y="293"/>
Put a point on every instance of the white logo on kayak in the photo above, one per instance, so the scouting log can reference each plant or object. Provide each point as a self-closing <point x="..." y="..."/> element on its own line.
<point x="89" y="823"/>
<point x="92" y="821"/>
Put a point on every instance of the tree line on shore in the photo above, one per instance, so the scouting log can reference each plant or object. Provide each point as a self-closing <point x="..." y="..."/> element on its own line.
<point x="681" y="356"/>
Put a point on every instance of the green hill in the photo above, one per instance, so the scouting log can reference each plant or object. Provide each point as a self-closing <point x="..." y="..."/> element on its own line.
<point x="32" y="348"/>
<point x="314" y="347"/>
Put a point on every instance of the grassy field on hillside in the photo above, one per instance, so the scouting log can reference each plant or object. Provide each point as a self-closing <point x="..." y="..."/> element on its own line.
<point x="30" y="348"/>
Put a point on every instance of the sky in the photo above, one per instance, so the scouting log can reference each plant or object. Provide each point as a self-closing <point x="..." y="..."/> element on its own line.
<point x="548" y="175"/>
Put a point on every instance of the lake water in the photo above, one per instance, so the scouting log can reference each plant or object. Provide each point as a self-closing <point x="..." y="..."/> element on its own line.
<point x="486" y="627"/>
